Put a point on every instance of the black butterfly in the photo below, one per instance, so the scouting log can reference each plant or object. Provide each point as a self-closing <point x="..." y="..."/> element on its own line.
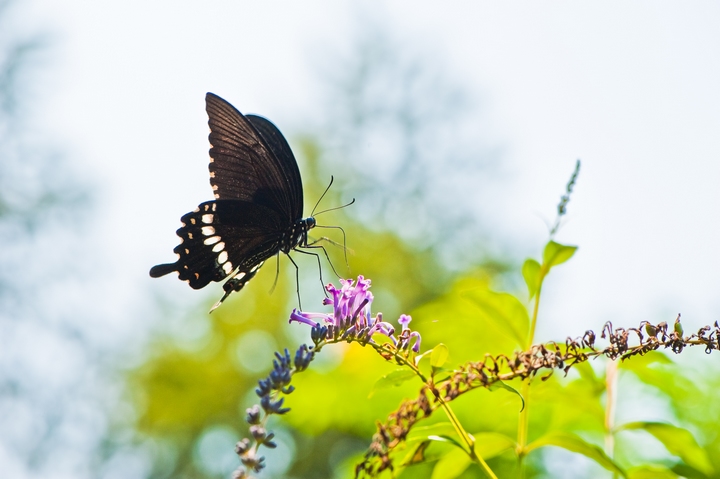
<point x="258" y="205"/>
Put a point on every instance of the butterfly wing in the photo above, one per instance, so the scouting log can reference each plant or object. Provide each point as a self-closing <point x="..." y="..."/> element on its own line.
<point x="222" y="236"/>
<point x="284" y="155"/>
<point x="258" y="191"/>
<point x="251" y="161"/>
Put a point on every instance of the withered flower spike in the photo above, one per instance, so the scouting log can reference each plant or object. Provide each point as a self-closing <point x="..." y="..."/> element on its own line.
<point x="524" y="365"/>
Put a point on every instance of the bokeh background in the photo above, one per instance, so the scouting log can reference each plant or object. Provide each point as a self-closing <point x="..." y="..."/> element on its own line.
<point x="455" y="127"/>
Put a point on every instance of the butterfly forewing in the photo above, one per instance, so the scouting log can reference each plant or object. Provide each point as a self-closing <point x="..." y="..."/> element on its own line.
<point x="275" y="140"/>
<point x="242" y="164"/>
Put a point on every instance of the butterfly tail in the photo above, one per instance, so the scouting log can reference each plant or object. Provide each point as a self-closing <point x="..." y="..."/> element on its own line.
<point x="162" y="269"/>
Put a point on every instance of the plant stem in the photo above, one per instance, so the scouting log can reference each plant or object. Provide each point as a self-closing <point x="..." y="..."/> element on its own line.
<point x="469" y="440"/>
<point x="533" y="323"/>
<point x="524" y="414"/>
<point x="523" y="426"/>
<point x="457" y="425"/>
<point x="611" y="397"/>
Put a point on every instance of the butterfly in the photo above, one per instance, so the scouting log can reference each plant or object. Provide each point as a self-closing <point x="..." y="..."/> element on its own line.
<point x="257" y="211"/>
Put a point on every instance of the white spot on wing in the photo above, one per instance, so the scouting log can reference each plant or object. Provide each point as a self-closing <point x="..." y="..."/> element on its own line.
<point x="227" y="267"/>
<point x="192" y="221"/>
<point x="196" y="210"/>
<point x="190" y="236"/>
<point x="207" y="219"/>
<point x="211" y="240"/>
<point x="208" y="230"/>
<point x="240" y="275"/>
<point x="214" y="206"/>
<point x="222" y="257"/>
<point x="218" y="247"/>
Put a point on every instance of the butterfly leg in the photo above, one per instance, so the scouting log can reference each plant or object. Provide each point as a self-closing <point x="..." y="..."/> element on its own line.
<point x="313" y="245"/>
<point x="236" y="283"/>
<point x="297" y="278"/>
<point x="343" y="246"/>
<point x="277" y="272"/>
<point x="317" y="256"/>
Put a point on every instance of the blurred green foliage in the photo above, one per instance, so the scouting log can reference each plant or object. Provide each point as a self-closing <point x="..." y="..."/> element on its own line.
<point x="183" y="391"/>
<point x="191" y="396"/>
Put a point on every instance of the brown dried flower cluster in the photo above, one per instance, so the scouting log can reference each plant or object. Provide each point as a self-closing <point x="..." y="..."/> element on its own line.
<point x="524" y="365"/>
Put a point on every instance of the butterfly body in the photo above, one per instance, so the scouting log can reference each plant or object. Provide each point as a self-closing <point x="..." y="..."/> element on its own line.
<point x="257" y="211"/>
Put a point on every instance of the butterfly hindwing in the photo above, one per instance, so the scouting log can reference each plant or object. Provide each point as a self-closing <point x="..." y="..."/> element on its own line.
<point x="222" y="236"/>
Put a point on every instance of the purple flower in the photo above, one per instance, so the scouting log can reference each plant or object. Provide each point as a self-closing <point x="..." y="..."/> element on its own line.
<point x="306" y="318"/>
<point x="416" y="346"/>
<point x="352" y="314"/>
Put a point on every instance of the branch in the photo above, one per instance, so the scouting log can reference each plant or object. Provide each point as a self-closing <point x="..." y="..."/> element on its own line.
<point x="525" y="365"/>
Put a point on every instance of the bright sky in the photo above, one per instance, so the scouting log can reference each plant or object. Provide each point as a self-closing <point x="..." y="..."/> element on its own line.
<point x="630" y="87"/>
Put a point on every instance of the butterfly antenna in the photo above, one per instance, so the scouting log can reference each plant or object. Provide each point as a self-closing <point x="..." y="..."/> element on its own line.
<point x="323" y="195"/>
<point x="336" y="208"/>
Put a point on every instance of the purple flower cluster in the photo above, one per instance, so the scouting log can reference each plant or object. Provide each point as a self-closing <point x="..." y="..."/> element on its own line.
<point x="269" y="390"/>
<point x="351" y="317"/>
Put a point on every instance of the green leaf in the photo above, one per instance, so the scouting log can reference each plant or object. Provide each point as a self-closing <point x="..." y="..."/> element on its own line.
<point x="438" y="357"/>
<point x="393" y="379"/>
<point x="416" y="454"/>
<point x="421" y="433"/>
<point x="685" y="471"/>
<point x="659" y="371"/>
<point x="651" y="472"/>
<point x="587" y="373"/>
<point x="575" y="443"/>
<point x="422" y="356"/>
<point x="448" y="439"/>
<point x="491" y="444"/>
<point x="531" y="273"/>
<point x="678" y="441"/>
<point x="556" y="253"/>
<point x="501" y="385"/>
<point x="451" y="465"/>
<point x="505" y="310"/>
